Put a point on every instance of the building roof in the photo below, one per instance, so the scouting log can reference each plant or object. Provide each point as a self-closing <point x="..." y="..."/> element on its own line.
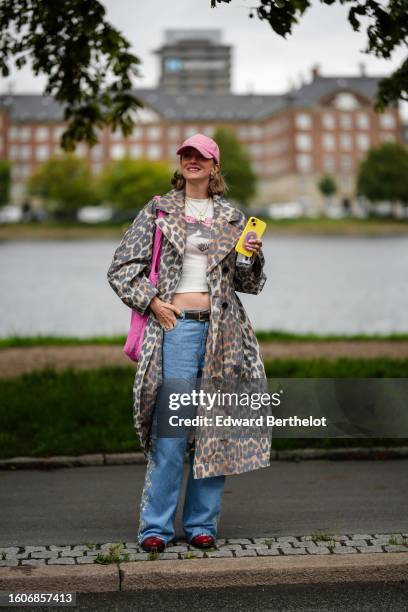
<point x="321" y="86"/>
<point x="204" y="106"/>
<point x="32" y="107"/>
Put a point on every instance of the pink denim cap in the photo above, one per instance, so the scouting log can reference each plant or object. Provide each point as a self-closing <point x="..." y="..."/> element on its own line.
<point x="205" y="145"/>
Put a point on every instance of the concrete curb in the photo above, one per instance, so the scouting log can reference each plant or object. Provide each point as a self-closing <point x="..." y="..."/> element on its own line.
<point x="97" y="459"/>
<point x="209" y="573"/>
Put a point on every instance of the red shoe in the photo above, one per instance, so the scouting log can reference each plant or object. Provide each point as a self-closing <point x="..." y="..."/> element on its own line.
<point x="203" y="541"/>
<point x="153" y="544"/>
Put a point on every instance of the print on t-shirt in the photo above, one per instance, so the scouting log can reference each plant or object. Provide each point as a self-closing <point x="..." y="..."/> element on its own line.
<point x="198" y="233"/>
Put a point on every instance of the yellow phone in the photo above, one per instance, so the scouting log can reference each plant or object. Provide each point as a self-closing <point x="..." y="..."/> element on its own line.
<point x="253" y="229"/>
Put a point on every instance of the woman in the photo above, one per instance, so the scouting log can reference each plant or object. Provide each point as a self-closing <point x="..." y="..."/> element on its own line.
<point x="197" y="326"/>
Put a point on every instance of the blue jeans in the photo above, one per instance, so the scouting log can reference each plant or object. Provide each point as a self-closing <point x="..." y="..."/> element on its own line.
<point x="183" y="357"/>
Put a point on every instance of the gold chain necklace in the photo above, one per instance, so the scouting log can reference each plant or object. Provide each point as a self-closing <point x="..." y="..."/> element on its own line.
<point x="199" y="214"/>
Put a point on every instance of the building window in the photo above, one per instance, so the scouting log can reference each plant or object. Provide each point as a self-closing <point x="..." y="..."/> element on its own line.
<point x="137" y="133"/>
<point x="256" y="131"/>
<point x="243" y="132"/>
<point x="173" y="132"/>
<point x="57" y="132"/>
<point x="116" y="136"/>
<point x="258" y="167"/>
<point x="304" y="162"/>
<point x="303" y="142"/>
<point x="24" y="133"/>
<point x="387" y="121"/>
<point x="42" y="133"/>
<point x="154" y="151"/>
<point x="97" y="152"/>
<point x="346" y="142"/>
<point x="208" y="130"/>
<point x="190" y="130"/>
<point x="346" y="101"/>
<point x="329" y="142"/>
<point x="303" y="121"/>
<point x="13" y="133"/>
<point x="363" y="142"/>
<point x="153" y="132"/>
<point x="81" y="149"/>
<point x="329" y="163"/>
<point x="346" y="121"/>
<point x="363" y="121"/>
<point x="329" y="121"/>
<point x="20" y="172"/>
<point x="14" y="152"/>
<point x="25" y="152"/>
<point x="136" y="151"/>
<point x="346" y="162"/>
<point x="42" y="152"/>
<point x="117" y="151"/>
<point x="256" y="149"/>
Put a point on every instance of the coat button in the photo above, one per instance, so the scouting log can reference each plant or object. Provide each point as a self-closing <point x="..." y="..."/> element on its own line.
<point x="224" y="305"/>
<point x="225" y="269"/>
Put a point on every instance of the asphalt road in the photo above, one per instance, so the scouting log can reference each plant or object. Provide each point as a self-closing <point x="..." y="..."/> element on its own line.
<point x="100" y="504"/>
<point x="332" y="598"/>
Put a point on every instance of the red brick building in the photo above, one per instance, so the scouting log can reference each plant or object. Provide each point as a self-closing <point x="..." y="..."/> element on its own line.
<point x="323" y="127"/>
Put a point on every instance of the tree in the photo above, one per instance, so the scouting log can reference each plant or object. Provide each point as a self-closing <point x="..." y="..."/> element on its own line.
<point x="327" y="187"/>
<point x="382" y="176"/>
<point x="386" y="25"/>
<point x="235" y="166"/>
<point x="86" y="61"/>
<point x="65" y="184"/>
<point x="5" y="178"/>
<point x="129" y="183"/>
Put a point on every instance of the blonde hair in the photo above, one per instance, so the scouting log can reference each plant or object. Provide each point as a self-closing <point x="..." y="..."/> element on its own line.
<point x="216" y="185"/>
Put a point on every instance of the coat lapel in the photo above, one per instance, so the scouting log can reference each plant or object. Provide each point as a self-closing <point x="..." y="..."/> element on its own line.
<point x="173" y="225"/>
<point x="224" y="233"/>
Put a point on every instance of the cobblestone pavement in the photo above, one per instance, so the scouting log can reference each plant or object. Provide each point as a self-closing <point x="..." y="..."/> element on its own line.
<point x="113" y="552"/>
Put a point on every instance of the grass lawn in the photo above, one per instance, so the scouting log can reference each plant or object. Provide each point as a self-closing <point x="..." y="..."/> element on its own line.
<point x="74" y="412"/>
<point x="262" y="335"/>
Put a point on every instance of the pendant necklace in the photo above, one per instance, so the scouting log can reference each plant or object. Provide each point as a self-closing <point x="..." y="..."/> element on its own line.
<point x="200" y="215"/>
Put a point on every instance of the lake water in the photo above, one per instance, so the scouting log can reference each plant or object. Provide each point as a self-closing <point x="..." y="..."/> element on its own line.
<point x="315" y="284"/>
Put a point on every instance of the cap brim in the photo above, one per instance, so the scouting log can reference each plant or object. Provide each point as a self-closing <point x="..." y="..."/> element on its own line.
<point x="203" y="153"/>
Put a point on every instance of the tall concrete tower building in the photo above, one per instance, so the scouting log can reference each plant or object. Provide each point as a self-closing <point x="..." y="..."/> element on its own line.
<point x="194" y="61"/>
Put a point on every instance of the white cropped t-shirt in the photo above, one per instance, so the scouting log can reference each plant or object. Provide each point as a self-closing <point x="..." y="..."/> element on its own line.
<point x="198" y="216"/>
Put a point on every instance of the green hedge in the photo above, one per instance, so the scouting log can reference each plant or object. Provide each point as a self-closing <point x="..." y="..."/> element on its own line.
<point x="87" y="411"/>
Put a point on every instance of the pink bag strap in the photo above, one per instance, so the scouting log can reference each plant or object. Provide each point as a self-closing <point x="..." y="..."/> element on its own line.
<point x="157" y="243"/>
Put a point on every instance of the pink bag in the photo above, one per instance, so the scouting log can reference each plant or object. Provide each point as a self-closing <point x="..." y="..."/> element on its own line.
<point x="138" y="321"/>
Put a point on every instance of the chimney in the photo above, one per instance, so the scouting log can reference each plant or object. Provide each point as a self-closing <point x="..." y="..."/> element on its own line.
<point x="315" y="71"/>
<point x="362" y="68"/>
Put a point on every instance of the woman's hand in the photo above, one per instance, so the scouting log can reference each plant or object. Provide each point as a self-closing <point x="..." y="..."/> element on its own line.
<point x="165" y="313"/>
<point x="253" y="245"/>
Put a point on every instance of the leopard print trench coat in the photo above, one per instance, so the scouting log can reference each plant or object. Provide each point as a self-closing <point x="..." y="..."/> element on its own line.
<point x="231" y="348"/>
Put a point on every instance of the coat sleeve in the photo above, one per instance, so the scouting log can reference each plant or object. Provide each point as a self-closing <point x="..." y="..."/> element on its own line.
<point x="250" y="279"/>
<point x="127" y="274"/>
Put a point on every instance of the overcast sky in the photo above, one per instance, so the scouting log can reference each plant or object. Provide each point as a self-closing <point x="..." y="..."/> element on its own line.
<point x="263" y="62"/>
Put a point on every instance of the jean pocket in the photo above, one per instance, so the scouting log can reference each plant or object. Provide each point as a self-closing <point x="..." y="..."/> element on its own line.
<point x="168" y="331"/>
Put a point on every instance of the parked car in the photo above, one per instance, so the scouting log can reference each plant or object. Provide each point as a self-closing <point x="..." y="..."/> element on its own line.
<point x="334" y="212"/>
<point x="11" y="214"/>
<point x="94" y="214"/>
<point x="285" y="210"/>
